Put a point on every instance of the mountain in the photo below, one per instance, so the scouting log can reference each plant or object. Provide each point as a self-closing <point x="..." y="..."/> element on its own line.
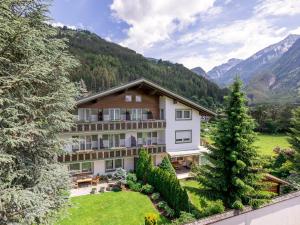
<point x="105" y="64"/>
<point x="261" y="61"/>
<point x="217" y="72"/>
<point x="201" y="72"/>
<point x="281" y="81"/>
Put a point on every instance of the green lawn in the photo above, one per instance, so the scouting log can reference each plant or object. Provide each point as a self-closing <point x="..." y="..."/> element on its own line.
<point x="267" y="142"/>
<point x="204" y="206"/>
<point x="112" y="208"/>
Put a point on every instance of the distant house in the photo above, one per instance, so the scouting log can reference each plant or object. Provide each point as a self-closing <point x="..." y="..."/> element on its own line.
<point x="114" y="125"/>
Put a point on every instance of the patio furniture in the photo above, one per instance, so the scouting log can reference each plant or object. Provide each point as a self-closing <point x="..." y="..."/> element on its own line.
<point x="84" y="180"/>
<point x="102" y="189"/>
<point x="95" y="180"/>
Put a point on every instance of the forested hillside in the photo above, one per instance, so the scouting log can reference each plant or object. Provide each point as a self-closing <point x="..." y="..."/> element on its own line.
<point x="105" y="64"/>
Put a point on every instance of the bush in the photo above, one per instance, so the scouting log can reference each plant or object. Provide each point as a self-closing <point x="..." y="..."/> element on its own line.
<point x="150" y="219"/>
<point x="167" y="165"/>
<point x="147" y="189"/>
<point x="144" y="165"/>
<point x="131" y="177"/>
<point x="162" y="204"/>
<point x="120" y="175"/>
<point x="134" y="186"/>
<point x="155" y="196"/>
<point x="214" y="208"/>
<point x="169" y="212"/>
<point x="184" y="218"/>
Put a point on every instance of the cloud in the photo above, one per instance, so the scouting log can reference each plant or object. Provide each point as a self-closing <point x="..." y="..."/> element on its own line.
<point x="277" y="8"/>
<point x="153" y="21"/>
<point x="59" y="24"/>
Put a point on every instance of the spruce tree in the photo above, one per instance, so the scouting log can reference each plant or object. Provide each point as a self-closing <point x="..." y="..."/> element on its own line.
<point x="167" y="165"/>
<point x="233" y="173"/>
<point x="144" y="166"/>
<point x="35" y="99"/>
<point x="294" y="138"/>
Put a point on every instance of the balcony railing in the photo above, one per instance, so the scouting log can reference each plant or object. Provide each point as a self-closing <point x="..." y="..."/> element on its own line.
<point x="90" y="155"/>
<point x="118" y="125"/>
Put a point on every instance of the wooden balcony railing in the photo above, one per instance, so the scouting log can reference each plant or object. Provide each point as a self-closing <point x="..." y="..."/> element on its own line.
<point x="90" y="155"/>
<point x="118" y="125"/>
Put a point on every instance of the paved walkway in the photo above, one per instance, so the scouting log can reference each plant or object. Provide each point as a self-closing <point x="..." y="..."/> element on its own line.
<point x="86" y="190"/>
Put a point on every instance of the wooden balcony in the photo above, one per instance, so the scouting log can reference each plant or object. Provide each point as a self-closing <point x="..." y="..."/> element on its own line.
<point x="91" y="155"/>
<point x="117" y="126"/>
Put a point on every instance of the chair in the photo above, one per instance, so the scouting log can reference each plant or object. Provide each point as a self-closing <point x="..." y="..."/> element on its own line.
<point x="95" y="180"/>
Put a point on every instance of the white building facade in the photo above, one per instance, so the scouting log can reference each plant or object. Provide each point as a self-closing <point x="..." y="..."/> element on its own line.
<point x="114" y="125"/>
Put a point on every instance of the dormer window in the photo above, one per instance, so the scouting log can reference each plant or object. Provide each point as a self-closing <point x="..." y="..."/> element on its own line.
<point x="128" y="98"/>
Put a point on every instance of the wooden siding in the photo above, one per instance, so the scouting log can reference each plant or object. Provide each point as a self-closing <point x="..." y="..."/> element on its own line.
<point x="117" y="100"/>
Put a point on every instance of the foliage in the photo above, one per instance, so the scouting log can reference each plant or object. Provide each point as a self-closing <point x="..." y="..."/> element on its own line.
<point x="184" y="218"/>
<point x="134" y="186"/>
<point x="294" y="138"/>
<point x="272" y="118"/>
<point x="167" y="166"/>
<point x="155" y="196"/>
<point x="147" y="189"/>
<point x="120" y="175"/>
<point x="162" y="204"/>
<point x="169" y="211"/>
<point x="35" y="99"/>
<point x="105" y="64"/>
<point x="170" y="189"/>
<point x="131" y="177"/>
<point x="151" y="219"/>
<point x="234" y="174"/>
<point x="110" y="208"/>
<point x="144" y="165"/>
<point x="282" y="163"/>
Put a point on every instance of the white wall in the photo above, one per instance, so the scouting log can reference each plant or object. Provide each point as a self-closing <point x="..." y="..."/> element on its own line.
<point x="286" y="212"/>
<point x="129" y="164"/>
<point x="173" y="125"/>
<point x="99" y="167"/>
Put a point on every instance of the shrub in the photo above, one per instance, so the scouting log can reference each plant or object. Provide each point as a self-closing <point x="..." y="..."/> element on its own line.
<point x="131" y="177"/>
<point x="167" y="166"/>
<point x="155" y="196"/>
<point x="120" y="175"/>
<point x="134" y="186"/>
<point x="162" y="204"/>
<point x="147" y="189"/>
<point x="144" y="166"/>
<point x="214" y="208"/>
<point x="116" y="188"/>
<point x="150" y="219"/>
<point x="169" y="212"/>
<point x="184" y="218"/>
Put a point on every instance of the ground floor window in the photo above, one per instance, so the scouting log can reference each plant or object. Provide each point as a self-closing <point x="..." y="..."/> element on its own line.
<point x="112" y="164"/>
<point x="183" y="136"/>
<point x="84" y="167"/>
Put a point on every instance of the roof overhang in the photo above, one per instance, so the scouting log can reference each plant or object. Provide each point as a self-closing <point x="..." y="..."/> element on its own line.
<point x="186" y="152"/>
<point x="161" y="90"/>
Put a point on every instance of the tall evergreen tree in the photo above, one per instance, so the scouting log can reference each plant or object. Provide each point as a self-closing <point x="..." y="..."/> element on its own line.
<point x="234" y="174"/>
<point x="167" y="165"/>
<point x="294" y="138"/>
<point x="144" y="165"/>
<point x="35" y="99"/>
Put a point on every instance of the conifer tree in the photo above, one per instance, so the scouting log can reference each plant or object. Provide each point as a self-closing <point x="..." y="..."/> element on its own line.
<point x="233" y="173"/>
<point x="294" y="138"/>
<point x="167" y="165"/>
<point x="35" y="99"/>
<point x="144" y="165"/>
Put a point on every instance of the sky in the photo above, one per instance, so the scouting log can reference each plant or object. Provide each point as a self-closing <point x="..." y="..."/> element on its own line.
<point x="202" y="33"/>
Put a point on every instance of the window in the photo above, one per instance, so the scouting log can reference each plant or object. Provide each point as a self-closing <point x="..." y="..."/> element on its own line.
<point x="109" y="165"/>
<point x="162" y="114"/>
<point x="113" y="140"/>
<point x="183" y="136"/>
<point x="86" y="167"/>
<point x="118" y="163"/>
<point x="74" y="167"/>
<point x="138" y="98"/>
<point x="128" y="98"/>
<point x="183" y="114"/>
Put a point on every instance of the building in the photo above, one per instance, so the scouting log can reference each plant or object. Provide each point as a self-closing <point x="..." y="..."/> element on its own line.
<point x="112" y="126"/>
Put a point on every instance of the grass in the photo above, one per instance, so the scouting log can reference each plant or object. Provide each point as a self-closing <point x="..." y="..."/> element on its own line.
<point x="112" y="208"/>
<point x="265" y="143"/>
<point x="204" y="206"/>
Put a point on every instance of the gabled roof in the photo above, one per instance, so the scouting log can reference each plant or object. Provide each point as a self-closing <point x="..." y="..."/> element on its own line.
<point x="160" y="90"/>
